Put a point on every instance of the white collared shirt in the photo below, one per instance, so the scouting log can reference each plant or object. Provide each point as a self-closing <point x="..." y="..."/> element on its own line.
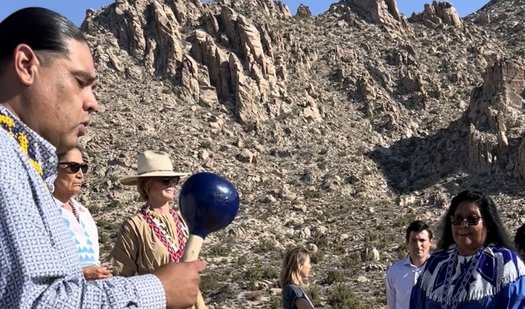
<point x="400" y="279"/>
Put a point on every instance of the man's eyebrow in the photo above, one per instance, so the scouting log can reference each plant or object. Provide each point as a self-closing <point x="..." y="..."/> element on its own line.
<point x="88" y="78"/>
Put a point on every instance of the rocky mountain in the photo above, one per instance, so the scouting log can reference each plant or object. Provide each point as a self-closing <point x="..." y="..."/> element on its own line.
<point x="337" y="129"/>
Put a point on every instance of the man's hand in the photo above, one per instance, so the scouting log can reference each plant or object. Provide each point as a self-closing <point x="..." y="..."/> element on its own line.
<point x="181" y="283"/>
<point x="96" y="272"/>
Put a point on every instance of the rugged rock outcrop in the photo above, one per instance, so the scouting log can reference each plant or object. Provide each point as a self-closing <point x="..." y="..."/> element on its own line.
<point x="438" y="13"/>
<point x="303" y="11"/>
<point x="233" y="56"/>
<point x="253" y="55"/>
<point x="377" y="11"/>
<point x="149" y="31"/>
<point x="495" y="114"/>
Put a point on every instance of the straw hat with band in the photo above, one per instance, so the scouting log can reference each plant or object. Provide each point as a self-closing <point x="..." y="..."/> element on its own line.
<point x="152" y="164"/>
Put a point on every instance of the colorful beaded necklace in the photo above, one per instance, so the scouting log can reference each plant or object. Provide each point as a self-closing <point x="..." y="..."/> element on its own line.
<point x="16" y="131"/>
<point x="175" y="247"/>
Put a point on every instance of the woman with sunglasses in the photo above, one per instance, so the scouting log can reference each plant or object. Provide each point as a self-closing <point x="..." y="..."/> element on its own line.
<point x="476" y="266"/>
<point x="71" y="170"/>
<point x="157" y="234"/>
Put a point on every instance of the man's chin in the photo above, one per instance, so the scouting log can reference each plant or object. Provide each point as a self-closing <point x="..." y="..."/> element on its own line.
<point x="66" y="146"/>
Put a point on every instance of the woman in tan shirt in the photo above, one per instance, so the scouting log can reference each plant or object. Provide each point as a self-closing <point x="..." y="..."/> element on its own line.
<point x="157" y="234"/>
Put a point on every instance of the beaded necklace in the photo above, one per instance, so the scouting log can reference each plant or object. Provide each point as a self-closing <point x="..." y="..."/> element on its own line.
<point x="175" y="247"/>
<point x="16" y="132"/>
<point x="74" y="210"/>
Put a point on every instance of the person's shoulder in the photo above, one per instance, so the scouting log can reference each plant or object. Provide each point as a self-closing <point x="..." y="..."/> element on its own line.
<point x="400" y="264"/>
<point x="506" y="253"/>
<point x="293" y="288"/>
<point x="437" y="258"/>
<point x="498" y="248"/>
<point x="132" y="223"/>
<point x="8" y="148"/>
<point x="439" y="254"/>
<point x="136" y="218"/>
<point x="11" y="163"/>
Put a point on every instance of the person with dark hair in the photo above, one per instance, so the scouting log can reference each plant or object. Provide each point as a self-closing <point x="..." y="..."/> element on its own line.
<point x="402" y="276"/>
<point x="294" y="270"/>
<point x="78" y="219"/>
<point x="47" y="76"/>
<point x="475" y="266"/>
<point x="519" y="241"/>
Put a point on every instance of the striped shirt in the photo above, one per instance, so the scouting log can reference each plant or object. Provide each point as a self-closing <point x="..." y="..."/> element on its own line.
<point x="39" y="264"/>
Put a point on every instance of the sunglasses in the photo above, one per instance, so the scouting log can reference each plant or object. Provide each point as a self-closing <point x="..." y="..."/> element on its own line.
<point x="471" y="220"/>
<point x="74" y="167"/>
<point x="169" y="180"/>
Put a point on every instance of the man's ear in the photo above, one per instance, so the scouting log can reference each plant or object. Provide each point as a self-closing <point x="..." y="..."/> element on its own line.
<point x="26" y="62"/>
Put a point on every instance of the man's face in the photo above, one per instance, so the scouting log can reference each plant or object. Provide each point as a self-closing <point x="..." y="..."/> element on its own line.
<point x="61" y="96"/>
<point x="419" y="244"/>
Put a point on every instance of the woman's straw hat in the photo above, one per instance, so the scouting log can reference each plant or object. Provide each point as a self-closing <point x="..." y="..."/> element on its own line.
<point x="152" y="164"/>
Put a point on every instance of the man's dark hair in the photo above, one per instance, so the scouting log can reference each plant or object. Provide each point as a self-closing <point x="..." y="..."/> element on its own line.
<point x="496" y="232"/>
<point x="39" y="28"/>
<point x="519" y="238"/>
<point x="418" y="226"/>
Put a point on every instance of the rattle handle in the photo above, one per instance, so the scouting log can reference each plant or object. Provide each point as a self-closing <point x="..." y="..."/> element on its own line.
<point x="191" y="253"/>
<point x="193" y="248"/>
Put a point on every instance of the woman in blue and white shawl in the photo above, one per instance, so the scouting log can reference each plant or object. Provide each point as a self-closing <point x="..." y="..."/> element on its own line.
<point x="476" y="266"/>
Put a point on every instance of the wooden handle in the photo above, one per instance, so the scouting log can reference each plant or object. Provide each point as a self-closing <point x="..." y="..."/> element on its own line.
<point x="193" y="248"/>
<point x="191" y="253"/>
<point x="200" y="302"/>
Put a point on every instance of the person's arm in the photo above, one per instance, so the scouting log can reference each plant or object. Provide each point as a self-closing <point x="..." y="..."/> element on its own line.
<point x="512" y="296"/>
<point x="123" y="257"/>
<point x="390" y="291"/>
<point x="38" y="273"/>
<point x="40" y="265"/>
<point x="303" y="303"/>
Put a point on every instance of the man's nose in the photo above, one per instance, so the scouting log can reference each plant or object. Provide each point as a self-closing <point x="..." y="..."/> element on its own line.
<point x="91" y="103"/>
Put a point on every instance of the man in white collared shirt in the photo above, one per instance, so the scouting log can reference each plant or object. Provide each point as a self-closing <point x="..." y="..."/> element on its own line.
<point x="402" y="276"/>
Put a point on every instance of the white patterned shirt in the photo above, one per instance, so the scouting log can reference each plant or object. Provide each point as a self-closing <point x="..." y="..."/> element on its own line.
<point x="83" y="231"/>
<point x="39" y="264"/>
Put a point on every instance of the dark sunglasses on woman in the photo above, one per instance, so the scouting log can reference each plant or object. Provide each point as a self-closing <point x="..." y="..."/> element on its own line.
<point x="170" y="180"/>
<point x="74" y="167"/>
<point x="471" y="220"/>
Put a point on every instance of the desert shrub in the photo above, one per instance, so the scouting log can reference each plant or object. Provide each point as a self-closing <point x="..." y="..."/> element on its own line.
<point x="316" y="258"/>
<point x="351" y="260"/>
<point x="333" y="276"/>
<point x="266" y="245"/>
<point x="275" y="302"/>
<point x="242" y="260"/>
<point x="209" y="281"/>
<point x="219" y="251"/>
<point x="341" y="298"/>
<point x="314" y="294"/>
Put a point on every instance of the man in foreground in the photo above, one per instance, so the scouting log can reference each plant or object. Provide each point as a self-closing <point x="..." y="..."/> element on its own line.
<point x="47" y="78"/>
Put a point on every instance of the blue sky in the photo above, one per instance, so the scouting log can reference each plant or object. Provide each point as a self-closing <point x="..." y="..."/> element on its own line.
<point x="76" y="9"/>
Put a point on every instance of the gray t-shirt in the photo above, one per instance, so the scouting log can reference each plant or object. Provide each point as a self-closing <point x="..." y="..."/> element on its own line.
<point x="291" y="293"/>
